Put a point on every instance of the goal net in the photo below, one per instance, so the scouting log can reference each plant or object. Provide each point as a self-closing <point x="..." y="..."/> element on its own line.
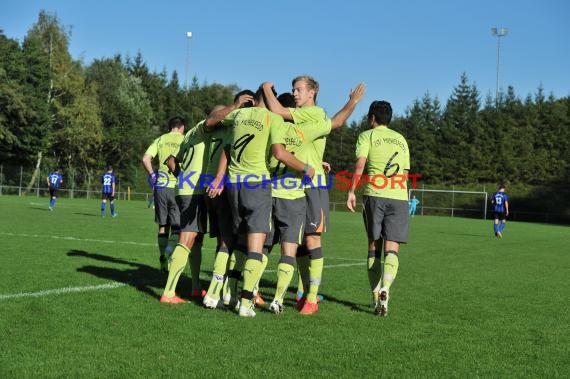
<point x="472" y="204"/>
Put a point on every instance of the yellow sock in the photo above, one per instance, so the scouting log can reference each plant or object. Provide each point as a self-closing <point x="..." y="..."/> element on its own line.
<point x="252" y="272"/>
<point x="391" y="264"/>
<point x="264" y="261"/>
<point x="179" y="260"/>
<point x="220" y="265"/>
<point x="229" y="270"/>
<point x="285" y="271"/>
<point x="315" y="273"/>
<point x="374" y="270"/>
<point x="235" y="275"/>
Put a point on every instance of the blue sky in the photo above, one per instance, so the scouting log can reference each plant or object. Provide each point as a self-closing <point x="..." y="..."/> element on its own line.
<point x="401" y="50"/>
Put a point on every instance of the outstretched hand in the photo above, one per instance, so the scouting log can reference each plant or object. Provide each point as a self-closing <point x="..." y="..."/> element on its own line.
<point x="357" y="93"/>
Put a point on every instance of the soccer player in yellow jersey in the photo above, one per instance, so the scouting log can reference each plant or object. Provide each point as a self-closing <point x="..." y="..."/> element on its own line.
<point x="305" y="90"/>
<point x="385" y="155"/>
<point x="164" y="183"/>
<point x="188" y="163"/>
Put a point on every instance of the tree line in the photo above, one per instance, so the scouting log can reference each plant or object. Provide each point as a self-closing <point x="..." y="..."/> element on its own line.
<point x="58" y="111"/>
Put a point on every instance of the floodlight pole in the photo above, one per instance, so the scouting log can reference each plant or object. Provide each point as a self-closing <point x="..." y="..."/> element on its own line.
<point x="502" y="32"/>
<point x="188" y="37"/>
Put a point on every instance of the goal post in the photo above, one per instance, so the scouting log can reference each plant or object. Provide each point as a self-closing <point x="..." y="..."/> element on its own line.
<point x="451" y="202"/>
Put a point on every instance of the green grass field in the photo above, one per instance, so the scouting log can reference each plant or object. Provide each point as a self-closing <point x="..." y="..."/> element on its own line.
<point x="79" y="298"/>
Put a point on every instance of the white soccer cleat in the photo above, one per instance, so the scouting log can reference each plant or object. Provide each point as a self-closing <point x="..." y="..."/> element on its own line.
<point x="211" y="303"/>
<point x="246" y="311"/>
<point x="276" y="307"/>
<point x="382" y="305"/>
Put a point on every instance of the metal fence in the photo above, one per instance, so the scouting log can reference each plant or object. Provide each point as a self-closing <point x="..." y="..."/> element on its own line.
<point x="15" y="179"/>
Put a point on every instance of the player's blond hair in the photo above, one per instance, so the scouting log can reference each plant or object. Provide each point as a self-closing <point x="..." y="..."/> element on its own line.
<point x="311" y="83"/>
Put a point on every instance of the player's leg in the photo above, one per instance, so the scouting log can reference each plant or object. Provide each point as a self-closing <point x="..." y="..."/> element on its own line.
<point x="252" y="270"/>
<point x="177" y="265"/>
<point x="195" y="265"/>
<point x="317" y="215"/>
<point x="161" y="217"/>
<point x="502" y="224"/>
<point x="303" y="261"/>
<point x="374" y="265"/>
<point x="316" y="263"/>
<point x="53" y="197"/>
<point x="193" y="218"/>
<point x="103" y="205"/>
<point x="112" y="205"/>
<point x="212" y="298"/>
<point x="373" y="215"/>
<point x="236" y="265"/>
<point x="289" y="217"/>
<point x="256" y="203"/>
<point x="285" y="271"/>
<point x="239" y="253"/>
<point x="218" y="231"/>
<point x="257" y="298"/>
<point x="395" y="231"/>
<point x="173" y="210"/>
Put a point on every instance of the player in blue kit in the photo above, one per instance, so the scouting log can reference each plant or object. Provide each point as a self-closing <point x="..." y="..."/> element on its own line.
<point x="54" y="180"/>
<point x="108" y="180"/>
<point x="500" y="203"/>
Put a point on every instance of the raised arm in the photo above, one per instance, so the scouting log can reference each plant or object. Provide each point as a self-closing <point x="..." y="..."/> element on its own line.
<point x="354" y="97"/>
<point x="273" y="104"/>
<point x="218" y="115"/>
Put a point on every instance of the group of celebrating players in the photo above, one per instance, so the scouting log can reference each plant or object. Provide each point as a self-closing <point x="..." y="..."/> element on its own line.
<point x="263" y="156"/>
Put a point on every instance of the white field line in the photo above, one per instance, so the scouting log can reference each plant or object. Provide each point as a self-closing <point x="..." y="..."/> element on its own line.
<point x="76" y="239"/>
<point x="112" y="285"/>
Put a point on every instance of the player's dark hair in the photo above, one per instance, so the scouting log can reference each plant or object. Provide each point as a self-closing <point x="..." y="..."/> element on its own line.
<point x="248" y="104"/>
<point x="260" y="95"/>
<point x="176" y="122"/>
<point x="382" y="112"/>
<point x="501" y="187"/>
<point x="109" y="167"/>
<point x="287" y="100"/>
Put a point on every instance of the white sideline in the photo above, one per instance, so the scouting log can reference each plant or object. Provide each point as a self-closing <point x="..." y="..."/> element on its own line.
<point x="112" y="285"/>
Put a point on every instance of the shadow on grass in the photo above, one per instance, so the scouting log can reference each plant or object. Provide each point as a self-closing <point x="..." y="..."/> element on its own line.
<point x="89" y="214"/>
<point x="486" y="235"/>
<point x="140" y="276"/>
